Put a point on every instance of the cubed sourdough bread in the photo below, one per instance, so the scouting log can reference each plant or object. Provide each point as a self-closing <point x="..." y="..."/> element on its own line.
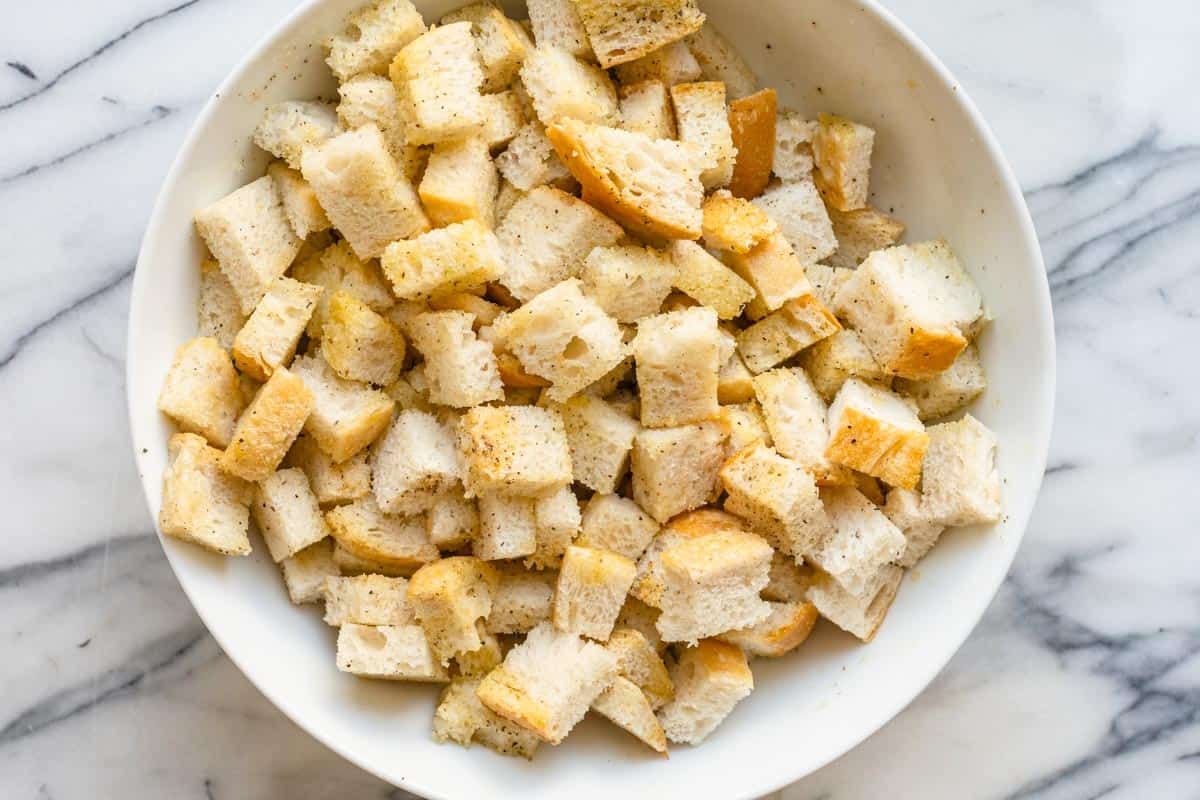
<point x="460" y="183"/>
<point x="443" y="261"/>
<point x="710" y="679"/>
<point x="592" y="584"/>
<point x="628" y="282"/>
<point x="502" y="43"/>
<point x="600" y="438"/>
<point x="360" y="344"/>
<point x="370" y="99"/>
<point x="529" y="161"/>
<point x="300" y="202"/>
<point x="266" y="429"/>
<point x="439" y="76"/>
<point x="638" y="661"/>
<point x="392" y="545"/>
<point x="557" y="518"/>
<point x="461" y="718"/>
<point x="218" y="310"/>
<point x="515" y="449"/>
<point x="522" y="599"/>
<point x="949" y="391"/>
<point x="646" y="109"/>
<point x="796" y="418"/>
<point x="703" y="120"/>
<point x="842" y="160"/>
<point x="675" y="469"/>
<point x="507" y="527"/>
<point x="874" y="431"/>
<point x="563" y="87"/>
<point x="287" y="513"/>
<point x="752" y="124"/>
<point x="449" y="596"/>
<point x="799" y="323"/>
<point x="415" y="464"/>
<point x="616" y="523"/>
<point x="793" y="146"/>
<point x="268" y="339"/>
<point x="624" y="704"/>
<point x="372" y="37"/>
<point x="461" y="370"/>
<point x="304" y="574"/>
<point x="202" y="503"/>
<point x="201" y="392"/>
<point x="556" y="23"/>
<point x="801" y="215"/>
<point x="862" y="542"/>
<point x="346" y="416"/>
<point x="705" y="279"/>
<point x="786" y="628"/>
<point x="720" y="62"/>
<point x="861" y="232"/>
<point x="289" y="127"/>
<point x="734" y="224"/>
<point x="832" y="361"/>
<point x="857" y="615"/>
<point x="388" y="652"/>
<point x="678" y="360"/>
<point x="624" y="30"/>
<point x="367" y="600"/>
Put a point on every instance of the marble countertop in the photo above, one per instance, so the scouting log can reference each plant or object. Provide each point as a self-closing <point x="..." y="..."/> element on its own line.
<point x="1083" y="680"/>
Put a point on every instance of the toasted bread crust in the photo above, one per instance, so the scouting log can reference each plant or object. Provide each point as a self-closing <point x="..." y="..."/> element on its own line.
<point x="926" y="353"/>
<point x="752" y="122"/>
<point x="864" y="443"/>
<point x="501" y="692"/>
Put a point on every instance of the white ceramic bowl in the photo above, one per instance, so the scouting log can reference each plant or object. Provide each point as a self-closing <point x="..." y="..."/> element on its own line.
<point x="936" y="167"/>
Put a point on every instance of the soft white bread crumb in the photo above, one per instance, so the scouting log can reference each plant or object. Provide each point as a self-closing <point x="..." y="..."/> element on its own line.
<point x="400" y="545"/>
<point x="266" y="429"/>
<point x="287" y="513"/>
<point x="455" y="258"/>
<point x="874" y="431"/>
<point x="547" y="682"/>
<point x="638" y="661"/>
<point x="842" y="161"/>
<point x="501" y="43"/>
<point x="796" y="416"/>
<point x="415" y="464"/>
<point x="734" y="224"/>
<point x="799" y="323"/>
<point x="719" y="61"/>
<point x="460" y="183"/>
<point x="449" y="597"/>
<point x="860" y="233"/>
<point x="304" y="574"/>
<point x="218" y="310"/>
<point x="960" y="485"/>
<point x="600" y="438"/>
<point x="289" y="127"/>
<point x="786" y="628"/>
<point x="675" y="469"/>
<point x="300" y="202"/>
<point x="370" y="99"/>
<point x="461" y="370"/>
<point x="669" y="65"/>
<point x="507" y="527"/>
<point x="388" y="652"/>
<point x="372" y="37"/>
<point x="346" y="416"/>
<point x="359" y="344"/>
<point x="514" y="449"/>
<point x="558" y="519"/>
<point x="703" y="120"/>
<point x="503" y="119"/>
<point x="793" y="146"/>
<point x="363" y="191"/>
<point x="367" y="600"/>
<point x="830" y="362"/>
<point x="522" y="599"/>
<point x="337" y="269"/>
<point x="646" y="109"/>
<point x="863" y="540"/>
<point x="710" y="679"/>
<point x="752" y="123"/>
<point x="921" y="531"/>
<point x="461" y="718"/>
<point x="826" y="282"/>
<point x="705" y="279"/>
<point x="591" y="589"/>
<point x="628" y="282"/>
<point x="453" y="521"/>
<point x="627" y="706"/>
<point x="678" y="361"/>
<point x="249" y="234"/>
<point x="649" y="585"/>
<point x="439" y="76"/>
<point x="530" y="161"/>
<point x="201" y="393"/>
<point x="561" y="86"/>
<point x="643" y="619"/>
<point x="201" y="503"/>
<point x="802" y="218"/>
<point x="616" y="523"/>
<point x="860" y="616"/>
<point x="778" y="498"/>
<point x="556" y="23"/>
<point x="268" y="339"/>
<point x="628" y="29"/>
<point x="948" y="391"/>
<point x="914" y="306"/>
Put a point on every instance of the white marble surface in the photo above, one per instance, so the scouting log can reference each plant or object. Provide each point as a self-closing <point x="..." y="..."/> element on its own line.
<point x="1083" y="680"/>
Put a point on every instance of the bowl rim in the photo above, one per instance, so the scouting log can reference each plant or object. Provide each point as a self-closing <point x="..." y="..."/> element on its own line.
<point x="1042" y="309"/>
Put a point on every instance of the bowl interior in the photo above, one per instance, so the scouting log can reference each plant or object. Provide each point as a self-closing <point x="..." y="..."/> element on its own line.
<point x="935" y="167"/>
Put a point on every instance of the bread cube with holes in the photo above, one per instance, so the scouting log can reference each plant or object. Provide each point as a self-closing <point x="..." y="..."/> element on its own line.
<point x="268" y="339"/>
<point x="523" y="599"/>
<point x="367" y="600"/>
<point x="652" y="186"/>
<point x="461" y="370"/>
<point x="793" y="159"/>
<point x="874" y="431"/>
<point x="462" y="719"/>
<point x="501" y="43"/>
<point x="646" y="109"/>
<point x="287" y="513"/>
<point x="359" y="344"/>
<point x="561" y="86"/>
<point x="706" y="280"/>
<point x="629" y="29"/>
<point x="675" y="469"/>
<point x="300" y="202"/>
<point x="668" y="65"/>
<point x="861" y="232"/>
<point x="703" y="120"/>
<point x="949" y="391"/>
<point x="625" y="705"/>
<point x="799" y="323"/>
<point x="478" y="663"/>
<point x="372" y="37"/>
<point x="832" y="361"/>
<point x="678" y="361"/>
<point x="460" y="183"/>
<point x="557" y="519"/>
<point x="439" y="76"/>
<point x="734" y="224"/>
<point x="369" y="99"/>
<point x="415" y="464"/>
<point x="529" y="161"/>
<point x="249" y="234"/>
<point x="639" y="662"/>
<point x="507" y="527"/>
<point x="547" y="682"/>
<point x="615" y="523"/>
<point x="455" y="258"/>
<point x="719" y="61"/>
<point x="346" y="416"/>
<point x="448" y="597"/>
<point x="858" y="615"/>
<point x="591" y="589"/>
<point x="288" y="128"/>
<point x="201" y="503"/>
<point x="796" y="416"/>
<point x="556" y="23"/>
<point x="802" y="218"/>
<point x="842" y="161"/>
<point x="600" y="438"/>
<point x="266" y="429"/>
<point x="388" y="652"/>
<point x="862" y="542"/>
<point x="304" y="574"/>
<point x="628" y="282"/>
<point x="711" y="585"/>
<point x="514" y="449"/>
<point x="778" y="498"/>
<point x="392" y="544"/>
<point x="201" y="392"/>
<point x="710" y="680"/>
<point x="752" y="123"/>
<point x="786" y="628"/>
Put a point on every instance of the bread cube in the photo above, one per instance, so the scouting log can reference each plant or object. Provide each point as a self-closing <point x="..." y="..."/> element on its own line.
<point x="249" y="233"/>
<point x="708" y="281"/>
<point x="874" y="431"/>
<point x="287" y="513"/>
<point x="547" y="682"/>
<point x="562" y="86"/>
<point x="629" y="29"/>
<point x="842" y="161"/>
<point x="218" y="311"/>
<point x="744" y="425"/>
<point x="675" y="469"/>
<point x="719" y="61"/>
<point x="785" y="629"/>
<point x="359" y="344"/>
<point x="863" y="540"/>
<point x="826" y="282"/>
<point x="802" y="218"/>
<point x="712" y="584"/>
<point x="507" y="527"/>
<point x="388" y="652"/>
<point x="600" y="438"/>
<point x="860" y="233"/>
<point x="617" y="524"/>
<point x="831" y="361"/>
<point x="200" y="502"/>
<point x="960" y="485"/>
<point x="793" y="159"/>
<point x="346" y="416"/>
<point x="735" y="382"/>
<point x="289" y="127"/>
<point x="558" y="519"/>
<point x="448" y="597"/>
<point x="649" y="585"/>
<point x="268" y="339"/>
<point x="858" y="615"/>
<point x="370" y="99"/>
<point x="799" y="323"/>
<point x="415" y="464"/>
<point x="200" y="393"/>
<point x="921" y="530"/>
<point x="591" y="589"/>
<point x="367" y="600"/>
<point x="734" y="224"/>
<point x="778" y="498"/>
<point x="522" y="599"/>
<point x="268" y="426"/>
<point x="501" y="43"/>
<point x="948" y="391"/>
<point x="789" y="580"/>
<point x="503" y="119"/>
<point x="399" y="544"/>
<point x="628" y="282"/>
<point x="460" y="183"/>
<point x="442" y="261"/>
<point x="362" y="189"/>
<point x="336" y="268"/>
<point x="372" y="37"/>
<point x="752" y="124"/>
<point x="530" y="161"/>
<point x="563" y="336"/>
<point x="628" y="707"/>
<point x="638" y="661"/>
<point x="703" y="120"/>
<point x="347" y="563"/>
<point x="304" y="574"/>
<point x="669" y="65"/>
<point x="646" y="109"/>
<point x="461" y="370"/>
<point x="480" y="662"/>
<point x="453" y="521"/>
<point x="641" y="618"/>
<point x="774" y="271"/>
<point x="300" y="202"/>
<point x="678" y="359"/>
<point x="796" y="416"/>
<point x="710" y="680"/>
<point x="439" y="76"/>
<point x="652" y="186"/>
<point x="461" y="718"/>
<point x="556" y="23"/>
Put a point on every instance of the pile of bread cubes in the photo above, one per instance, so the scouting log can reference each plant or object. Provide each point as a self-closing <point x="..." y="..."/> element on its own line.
<point x="570" y="372"/>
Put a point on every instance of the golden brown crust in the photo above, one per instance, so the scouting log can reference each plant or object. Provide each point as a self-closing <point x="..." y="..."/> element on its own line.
<point x="268" y="427"/>
<point x="513" y="375"/>
<point x="734" y="224"/>
<point x="703" y="521"/>
<point x="485" y="312"/>
<point x="501" y="692"/>
<point x="717" y="657"/>
<point x="752" y="122"/>
<point x="926" y="353"/>
<point x="892" y="454"/>
<point x="784" y="637"/>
